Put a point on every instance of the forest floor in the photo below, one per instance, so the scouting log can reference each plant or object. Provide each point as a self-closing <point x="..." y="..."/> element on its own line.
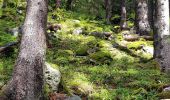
<point x="92" y="66"/>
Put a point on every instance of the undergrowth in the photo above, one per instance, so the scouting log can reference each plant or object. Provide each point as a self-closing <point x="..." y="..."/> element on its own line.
<point x="93" y="67"/>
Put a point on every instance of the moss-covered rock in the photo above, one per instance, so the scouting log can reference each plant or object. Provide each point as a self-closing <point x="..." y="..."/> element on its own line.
<point x="64" y="53"/>
<point x="102" y="56"/>
<point x="82" y="51"/>
<point x="136" y="45"/>
<point x="62" y="60"/>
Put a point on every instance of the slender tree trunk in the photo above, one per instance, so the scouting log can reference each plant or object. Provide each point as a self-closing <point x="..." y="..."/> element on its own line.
<point x="58" y="3"/>
<point x="151" y="13"/>
<point x="142" y="22"/>
<point x="69" y="4"/>
<point x="27" y="80"/>
<point x="108" y="6"/>
<point x="162" y="35"/>
<point x="123" y="23"/>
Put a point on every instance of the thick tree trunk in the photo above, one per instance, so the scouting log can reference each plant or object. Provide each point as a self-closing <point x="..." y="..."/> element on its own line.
<point x="142" y="22"/>
<point x="108" y="5"/>
<point x="69" y="4"/>
<point x="27" y="80"/>
<point x="123" y="23"/>
<point x="162" y="35"/>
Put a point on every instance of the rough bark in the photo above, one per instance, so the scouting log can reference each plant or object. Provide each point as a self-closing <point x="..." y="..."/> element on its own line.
<point x="108" y="7"/>
<point x="162" y="35"/>
<point x="142" y="22"/>
<point x="151" y="13"/>
<point x="27" y="79"/>
<point x="123" y="23"/>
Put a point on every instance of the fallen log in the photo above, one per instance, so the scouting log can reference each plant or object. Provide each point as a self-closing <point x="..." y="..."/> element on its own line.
<point x="8" y="45"/>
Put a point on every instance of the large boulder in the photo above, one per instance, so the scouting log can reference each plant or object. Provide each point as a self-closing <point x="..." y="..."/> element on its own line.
<point x="52" y="76"/>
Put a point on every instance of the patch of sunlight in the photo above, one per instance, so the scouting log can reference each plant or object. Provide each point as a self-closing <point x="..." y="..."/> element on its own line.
<point x="80" y="84"/>
<point x="129" y="71"/>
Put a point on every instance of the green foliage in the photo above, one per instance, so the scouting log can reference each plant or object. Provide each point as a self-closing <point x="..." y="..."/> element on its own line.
<point x="164" y="95"/>
<point x="92" y="67"/>
<point x="136" y="45"/>
<point x="102" y="56"/>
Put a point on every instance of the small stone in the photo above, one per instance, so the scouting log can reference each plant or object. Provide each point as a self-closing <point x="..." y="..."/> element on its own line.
<point x="77" y="31"/>
<point x="74" y="97"/>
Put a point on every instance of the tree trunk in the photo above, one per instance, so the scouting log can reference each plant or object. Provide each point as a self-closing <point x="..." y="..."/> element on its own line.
<point x="27" y="79"/>
<point x="142" y="22"/>
<point x="69" y="4"/>
<point x="123" y="23"/>
<point x="108" y="6"/>
<point x="162" y="35"/>
<point x="58" y="3"/>
<point x="151" y="13"/>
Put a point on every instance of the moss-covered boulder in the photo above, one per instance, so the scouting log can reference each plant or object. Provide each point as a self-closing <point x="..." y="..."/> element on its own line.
<point x="102" y="56"/>
<point x="136" y="45"/>
<point x="64" y="53"/>
<point x="82" y="50"/>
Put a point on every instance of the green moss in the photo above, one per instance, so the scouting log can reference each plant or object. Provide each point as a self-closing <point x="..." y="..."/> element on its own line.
<point x="65" y="53"/>
<point x="140" y="90"/>
<point x="82" y="51"/>
<point x="62" y="60"/>
<point x="47" y="90"/>
<point x="104" y="44"/>
<point x="119" y="37"/>
<point x="136" y="45"/>
<point x="102" y="56"/>
<point x="130" y="24"/>
<point x="54" y="66"/>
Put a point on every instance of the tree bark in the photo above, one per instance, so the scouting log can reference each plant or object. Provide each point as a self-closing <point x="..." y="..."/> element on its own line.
<point x="151" y="13"/>
<point x="27" y="79"/>
<point x="162" y="35"/>
<point x="58" y="3"/>
<point x="142" y="22"/>
<point x="108" y="7"/>
<point x="123" y="23"/>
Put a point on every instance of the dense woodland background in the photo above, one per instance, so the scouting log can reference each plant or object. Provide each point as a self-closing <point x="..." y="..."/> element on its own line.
<point x="104" y="49"/>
